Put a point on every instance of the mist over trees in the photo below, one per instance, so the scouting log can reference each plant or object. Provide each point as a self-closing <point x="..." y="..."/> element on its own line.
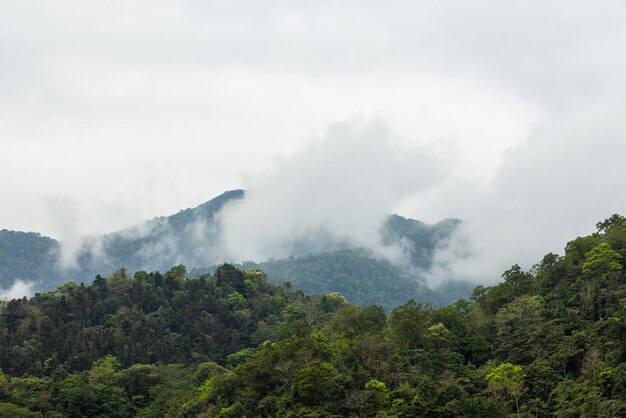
<point x="320" y="261"/>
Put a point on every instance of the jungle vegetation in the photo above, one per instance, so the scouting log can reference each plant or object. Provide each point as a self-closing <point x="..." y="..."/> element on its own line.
<point x="547" y="342"/>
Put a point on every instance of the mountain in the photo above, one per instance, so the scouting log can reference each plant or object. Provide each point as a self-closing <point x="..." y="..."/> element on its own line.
<point x="156" y="244"/>
<point x="361" y="278"/>
<point x="192" y="237"/>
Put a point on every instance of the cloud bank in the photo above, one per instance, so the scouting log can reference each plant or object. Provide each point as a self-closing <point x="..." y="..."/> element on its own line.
<point x="133" y="110"/>
<point x="337" y="191"/>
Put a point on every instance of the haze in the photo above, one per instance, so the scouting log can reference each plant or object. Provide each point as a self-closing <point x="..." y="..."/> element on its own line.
<point x="507" y="115"/>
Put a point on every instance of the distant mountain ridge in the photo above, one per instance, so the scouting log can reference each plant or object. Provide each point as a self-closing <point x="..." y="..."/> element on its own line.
<point x="192" y="237"/>
<point x="159" y="243"/>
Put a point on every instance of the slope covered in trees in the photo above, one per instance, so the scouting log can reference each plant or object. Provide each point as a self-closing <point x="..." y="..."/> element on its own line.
<point x="361" y="278"/>
<point x="546" y="342"/>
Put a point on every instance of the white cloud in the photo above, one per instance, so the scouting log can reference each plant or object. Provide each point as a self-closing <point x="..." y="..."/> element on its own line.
<point x="18" y="290"/>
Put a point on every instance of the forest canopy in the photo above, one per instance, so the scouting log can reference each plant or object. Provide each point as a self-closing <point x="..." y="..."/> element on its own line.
<point x="550" y="341"/>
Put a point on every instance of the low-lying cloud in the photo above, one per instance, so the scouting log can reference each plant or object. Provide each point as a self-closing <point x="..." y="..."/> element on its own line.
<point x="555" y="185"/>
<point x="18" y="290"/>
<point x="340" y="188"/>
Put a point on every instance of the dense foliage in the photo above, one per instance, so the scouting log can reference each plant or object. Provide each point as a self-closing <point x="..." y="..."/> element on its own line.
<point x="148" y="318"/>
<point x="364" y="280"/>
<point x="547" y="342"/>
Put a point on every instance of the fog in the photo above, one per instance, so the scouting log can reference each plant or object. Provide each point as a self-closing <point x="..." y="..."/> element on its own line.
<point x="507" y="115"/>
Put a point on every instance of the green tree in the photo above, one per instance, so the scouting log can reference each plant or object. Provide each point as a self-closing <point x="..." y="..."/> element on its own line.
<point x="316" y="383"/>
<point x="521" y="332"/>
<point x="236" y="300"/>
<point x="409" y="324"/>
<point x="614" y="221"/>
<point x="602" y="261"/>
<point x="4" y="385"/>
<point x="137" y="381"/>
<point x="380" y="396"/>
<point x="507" y="379"/>
<point x="228" y="275"/>
<point x="10" y="410"/>
<point x="352" y="321"/>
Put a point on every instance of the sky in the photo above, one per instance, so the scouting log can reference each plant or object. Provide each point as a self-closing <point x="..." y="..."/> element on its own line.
<point x="508" y="115"/>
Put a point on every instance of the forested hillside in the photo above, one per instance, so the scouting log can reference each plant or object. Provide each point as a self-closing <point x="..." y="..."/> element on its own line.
<point x="547" y="342"/>
<point x="365" y="279"/>
<point x="361" y="278"/>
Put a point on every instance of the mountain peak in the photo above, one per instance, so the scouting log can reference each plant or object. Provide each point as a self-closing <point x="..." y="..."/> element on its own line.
<point x="205" y="210"/>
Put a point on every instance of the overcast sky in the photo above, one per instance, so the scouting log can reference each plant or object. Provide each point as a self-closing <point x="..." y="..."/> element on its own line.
<point x="114" y="112"/>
